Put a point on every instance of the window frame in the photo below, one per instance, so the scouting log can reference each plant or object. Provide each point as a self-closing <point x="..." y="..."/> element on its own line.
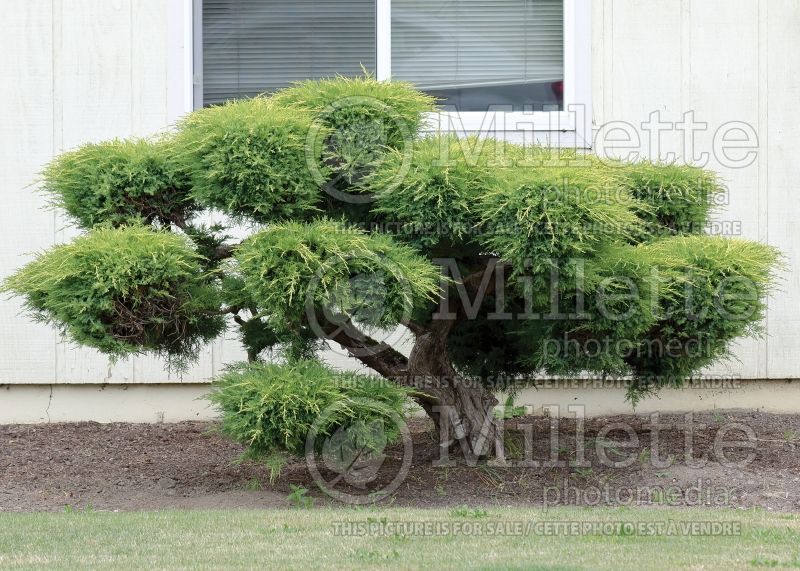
<point x="571" y="127"/>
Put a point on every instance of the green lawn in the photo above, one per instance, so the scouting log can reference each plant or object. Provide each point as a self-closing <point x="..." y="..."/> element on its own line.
<point x="307" y="539"/>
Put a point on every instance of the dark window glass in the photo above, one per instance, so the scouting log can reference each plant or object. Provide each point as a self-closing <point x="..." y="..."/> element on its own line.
<point x="257" y="46"/>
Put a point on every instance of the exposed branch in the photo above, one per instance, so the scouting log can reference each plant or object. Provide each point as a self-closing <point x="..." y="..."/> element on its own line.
<point x="179" y="220"/>
<point x="378" y="356"/>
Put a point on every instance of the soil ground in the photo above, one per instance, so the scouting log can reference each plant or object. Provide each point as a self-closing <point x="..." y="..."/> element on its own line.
<point x="187" y="465"/>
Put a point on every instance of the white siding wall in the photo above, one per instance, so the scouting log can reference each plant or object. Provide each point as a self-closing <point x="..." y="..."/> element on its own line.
<point x="73" y="71"/>
<point x="728" y="60"/>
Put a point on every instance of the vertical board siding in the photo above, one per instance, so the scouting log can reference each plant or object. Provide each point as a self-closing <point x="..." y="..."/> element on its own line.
<point x="780" y="88"/>
<point x="726" y="60"/>
<point x="724" y="52"/>
<point x="27" y="349"/>
<point x="73" y="71"/>
<point x="92" y="76"/>
<point x="148" y="66"/>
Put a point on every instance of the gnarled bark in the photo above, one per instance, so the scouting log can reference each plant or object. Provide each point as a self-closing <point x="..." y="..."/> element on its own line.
<point x="460" y="408"/>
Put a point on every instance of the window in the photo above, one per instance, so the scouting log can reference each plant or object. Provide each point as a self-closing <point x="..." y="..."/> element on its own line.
<point x="525" y="58"/>
<point x="253" y="46"/>
<point x="475" y="53"/>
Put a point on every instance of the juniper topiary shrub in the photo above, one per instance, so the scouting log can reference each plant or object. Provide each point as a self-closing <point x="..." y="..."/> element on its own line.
<point x="502" y="262"/>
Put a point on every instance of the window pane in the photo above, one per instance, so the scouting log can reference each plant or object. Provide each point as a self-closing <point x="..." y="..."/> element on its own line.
<point x="253" y="46"/>
<point x="477" y="53"/>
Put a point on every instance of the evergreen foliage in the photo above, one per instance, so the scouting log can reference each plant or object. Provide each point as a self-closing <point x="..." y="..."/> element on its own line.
<point x="250" y="160"/>
<point x="272" y="407"/>
<point x="124" y="291"/>
<point x="120" y="182"/>
<point x="358" y="119"/>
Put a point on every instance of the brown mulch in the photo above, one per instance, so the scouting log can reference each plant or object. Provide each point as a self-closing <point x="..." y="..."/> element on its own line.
<point x="186" y="465"/>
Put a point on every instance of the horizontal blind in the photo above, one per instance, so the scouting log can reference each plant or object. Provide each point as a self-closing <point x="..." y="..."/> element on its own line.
<point x="472" y="43"/>
<point x="256" y="46"/>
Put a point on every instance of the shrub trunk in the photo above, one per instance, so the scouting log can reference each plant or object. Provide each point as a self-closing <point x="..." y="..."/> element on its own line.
<point x="460" y="408"/>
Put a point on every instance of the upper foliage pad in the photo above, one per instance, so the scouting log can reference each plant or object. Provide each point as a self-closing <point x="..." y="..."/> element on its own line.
<point x="539" y="218"/>
<point x="251" y="159"/>
<point x="122" y="291"/>
<point x="120" y="182"/>
<point x="436" y="200"/>
<point x="362" y="118"/>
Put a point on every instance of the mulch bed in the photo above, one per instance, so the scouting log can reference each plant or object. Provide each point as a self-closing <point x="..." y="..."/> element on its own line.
<point x="187" y="465"/>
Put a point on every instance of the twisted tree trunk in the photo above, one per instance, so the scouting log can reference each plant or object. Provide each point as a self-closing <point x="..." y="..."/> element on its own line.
<point x="460" y="408"/>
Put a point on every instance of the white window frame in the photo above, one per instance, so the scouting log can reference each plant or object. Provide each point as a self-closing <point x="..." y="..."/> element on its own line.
<point x="570" y="127"/>
<point x="574" y="120"/>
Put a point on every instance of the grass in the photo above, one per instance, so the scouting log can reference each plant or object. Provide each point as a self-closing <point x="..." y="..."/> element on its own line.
<point x="305" y="539"/>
